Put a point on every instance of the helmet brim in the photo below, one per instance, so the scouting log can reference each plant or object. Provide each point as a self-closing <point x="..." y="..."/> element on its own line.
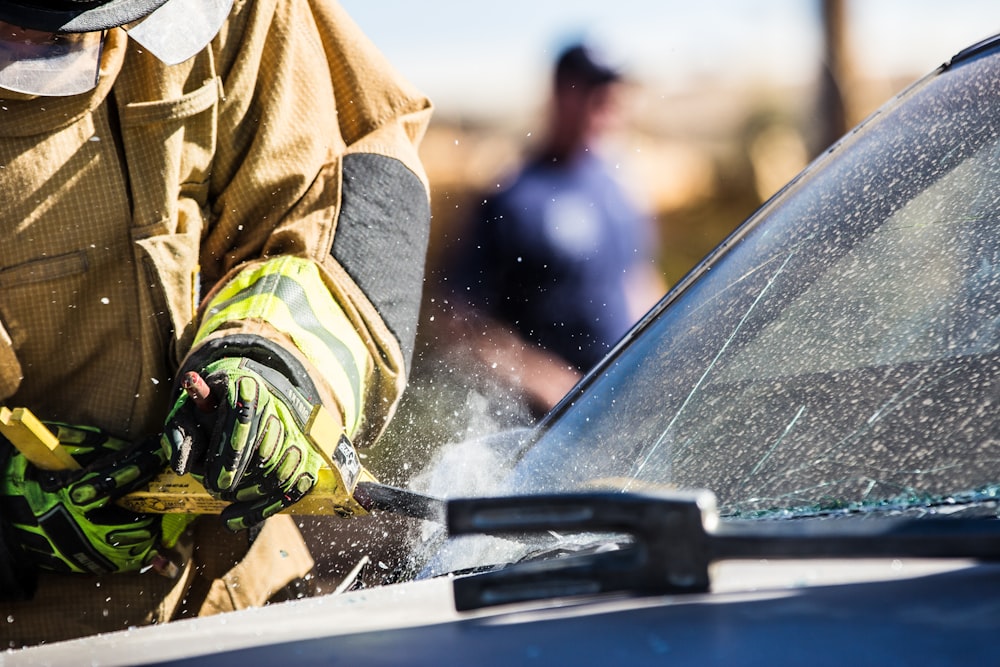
<point x="69" y="16"/>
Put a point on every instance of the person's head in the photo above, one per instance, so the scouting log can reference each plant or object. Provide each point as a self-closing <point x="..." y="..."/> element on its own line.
<point x="586" y="87"/>
<point x="53" y="47"/>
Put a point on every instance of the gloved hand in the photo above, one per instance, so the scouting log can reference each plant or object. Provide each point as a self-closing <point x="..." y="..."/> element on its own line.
<point x="249" y="447"/>
<point x="67" y="521"/>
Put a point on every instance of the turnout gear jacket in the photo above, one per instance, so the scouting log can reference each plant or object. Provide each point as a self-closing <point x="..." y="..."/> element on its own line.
<point x="275" y="174"/>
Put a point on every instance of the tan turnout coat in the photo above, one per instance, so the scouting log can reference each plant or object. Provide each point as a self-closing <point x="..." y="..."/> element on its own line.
<point x="123" y="205"/>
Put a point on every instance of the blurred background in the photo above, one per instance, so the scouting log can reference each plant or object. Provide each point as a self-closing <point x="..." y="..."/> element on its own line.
<point x="733" y="96"/>
<point x="729" y="100"/>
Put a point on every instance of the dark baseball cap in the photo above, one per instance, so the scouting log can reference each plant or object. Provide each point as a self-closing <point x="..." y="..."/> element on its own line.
<point x="582" y="63"/>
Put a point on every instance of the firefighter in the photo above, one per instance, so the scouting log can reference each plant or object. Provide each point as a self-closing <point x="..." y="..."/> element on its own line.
<point x="230" y="187"/>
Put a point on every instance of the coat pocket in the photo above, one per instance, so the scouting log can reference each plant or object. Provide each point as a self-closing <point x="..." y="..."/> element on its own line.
<point x="11" y="279"/>
<point x="170" y="146"/>
<point x="170" y="268"/>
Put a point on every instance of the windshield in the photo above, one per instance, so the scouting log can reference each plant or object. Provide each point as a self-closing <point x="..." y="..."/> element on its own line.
<point x="842" y="352"/>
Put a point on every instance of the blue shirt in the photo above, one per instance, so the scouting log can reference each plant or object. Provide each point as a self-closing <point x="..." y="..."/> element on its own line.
<point x="550" y="253"/>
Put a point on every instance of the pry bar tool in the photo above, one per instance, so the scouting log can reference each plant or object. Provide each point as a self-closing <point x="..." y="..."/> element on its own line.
<point x="343" y="487"/>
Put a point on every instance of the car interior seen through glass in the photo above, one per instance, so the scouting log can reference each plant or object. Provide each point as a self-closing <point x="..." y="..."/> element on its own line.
<point x="840" y="354"/>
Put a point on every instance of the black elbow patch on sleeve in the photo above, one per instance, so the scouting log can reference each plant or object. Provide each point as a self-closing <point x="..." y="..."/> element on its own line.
<point x="381" y="239"/>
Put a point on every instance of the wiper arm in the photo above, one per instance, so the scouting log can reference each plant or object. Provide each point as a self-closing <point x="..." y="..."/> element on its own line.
<point x="674" y="539"/>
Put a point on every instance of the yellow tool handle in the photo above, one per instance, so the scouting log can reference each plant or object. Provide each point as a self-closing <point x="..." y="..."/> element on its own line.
<point x="169" y="493"/>
<point x="34" y="440"/>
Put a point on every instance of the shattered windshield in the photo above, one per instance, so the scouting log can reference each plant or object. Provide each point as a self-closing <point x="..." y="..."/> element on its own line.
<point x="842" y="353"/>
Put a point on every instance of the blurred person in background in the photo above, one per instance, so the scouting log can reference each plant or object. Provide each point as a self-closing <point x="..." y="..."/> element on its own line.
<point x="558" y="264"/>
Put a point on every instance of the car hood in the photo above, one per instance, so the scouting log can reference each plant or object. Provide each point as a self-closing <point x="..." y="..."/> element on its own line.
<point x="901" y="611"/>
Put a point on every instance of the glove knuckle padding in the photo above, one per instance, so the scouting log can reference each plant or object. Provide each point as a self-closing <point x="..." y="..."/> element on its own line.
<point x="270" y="440"/>
<point x="257" y="455"/>
<point x="246" y="404"/>
<point x="68" y="522"/>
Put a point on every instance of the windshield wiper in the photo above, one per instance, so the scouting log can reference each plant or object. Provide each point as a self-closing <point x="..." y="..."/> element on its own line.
<point x="674" y="538"/>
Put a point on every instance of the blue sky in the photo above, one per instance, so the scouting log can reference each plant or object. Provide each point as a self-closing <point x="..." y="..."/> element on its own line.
<point x="472" y="56"/>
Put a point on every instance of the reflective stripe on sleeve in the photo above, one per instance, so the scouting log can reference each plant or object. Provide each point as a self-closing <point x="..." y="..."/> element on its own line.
<point x="289" y="294"/>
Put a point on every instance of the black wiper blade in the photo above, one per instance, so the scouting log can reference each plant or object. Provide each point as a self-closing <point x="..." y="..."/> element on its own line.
<point x="674" y="539"/>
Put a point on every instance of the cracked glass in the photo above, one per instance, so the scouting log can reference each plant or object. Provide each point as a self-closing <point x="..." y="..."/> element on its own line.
<point x="839" y="351"/>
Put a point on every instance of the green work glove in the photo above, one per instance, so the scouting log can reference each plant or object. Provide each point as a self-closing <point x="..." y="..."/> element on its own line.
<point x="248" y="446"/>
<point x="67" y="521"/>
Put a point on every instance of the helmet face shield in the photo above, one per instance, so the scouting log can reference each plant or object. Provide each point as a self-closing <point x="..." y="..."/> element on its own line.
<point x="44" y="63"/>
<point x="180" y="28"/>
<point x="56" y="62"/>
